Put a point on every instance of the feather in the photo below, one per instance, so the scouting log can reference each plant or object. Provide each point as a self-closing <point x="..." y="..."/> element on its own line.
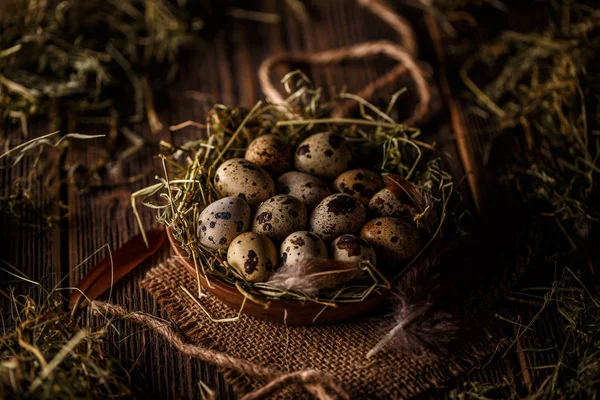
<point x="419" y="327"/>
<point x="442" y="295"/>
<point x="112" y="268"/>
<point x="419" y="332"/>
<point x="454" y="287"/>
<point x="313" y="275"/>
<point x="422" y="210"/>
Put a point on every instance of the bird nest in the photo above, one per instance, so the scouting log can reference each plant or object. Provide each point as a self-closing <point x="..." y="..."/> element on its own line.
<point x="412" y="169"/>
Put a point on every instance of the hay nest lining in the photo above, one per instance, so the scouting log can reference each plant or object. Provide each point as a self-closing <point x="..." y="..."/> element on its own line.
<point x="379" y="144"/>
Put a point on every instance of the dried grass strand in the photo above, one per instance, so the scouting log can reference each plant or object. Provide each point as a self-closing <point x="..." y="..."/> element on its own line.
<point x="309" y="378"/>
<point x="64" y="352"/>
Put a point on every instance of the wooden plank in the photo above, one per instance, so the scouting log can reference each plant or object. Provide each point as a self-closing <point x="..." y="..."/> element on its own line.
<point x="28" y="243"/>
<point x="104" y="217"/>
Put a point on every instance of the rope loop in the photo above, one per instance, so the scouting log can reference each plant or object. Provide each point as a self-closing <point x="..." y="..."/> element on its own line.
<point x="405" y="55"/>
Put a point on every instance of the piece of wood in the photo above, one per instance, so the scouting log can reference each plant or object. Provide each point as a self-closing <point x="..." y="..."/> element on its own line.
<point x="470" y="163"/>
<point x="289" y="312"/>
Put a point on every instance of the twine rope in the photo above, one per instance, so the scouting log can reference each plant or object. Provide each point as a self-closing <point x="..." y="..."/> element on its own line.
<point x="398" y="23"/>
<point x="322" y="385"/>
<point x="403" y="54"/>
<point x="358" y="51"/>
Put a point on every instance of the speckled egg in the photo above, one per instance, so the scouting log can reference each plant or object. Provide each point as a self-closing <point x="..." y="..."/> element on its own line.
<point x="325" y="155"/>
<point x="222" y="221"/>
<point x="336" y="215"/>
<point x="354" y="249"/>
<point x="242" y="178"/>
<point x="308" y="189"/>
<point x="385" y="204"/>
<point x="279" y="216"/>
<point x="394" y="240"/>
<point x="254" y="256"/>
<point x="301" y="245"/>
<point x="360" y="183"/>
<point x="271" y="153"/>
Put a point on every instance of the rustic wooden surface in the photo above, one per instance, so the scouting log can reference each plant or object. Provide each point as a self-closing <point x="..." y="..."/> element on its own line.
<point x="222" y="71"/>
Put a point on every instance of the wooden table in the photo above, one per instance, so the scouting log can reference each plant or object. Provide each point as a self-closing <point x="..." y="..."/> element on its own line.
<point x="223" y="71"/>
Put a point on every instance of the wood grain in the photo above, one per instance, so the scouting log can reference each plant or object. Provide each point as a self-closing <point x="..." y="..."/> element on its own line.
<point x="27" y="244"/>
<point x="222" y="71"/>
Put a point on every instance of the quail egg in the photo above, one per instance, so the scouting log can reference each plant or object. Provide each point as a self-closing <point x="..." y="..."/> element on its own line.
<point x="386" y="204"/>
<point x="307" y="188"/>
<point x="300" y="246"/>
<point x="271" y="153"/>
<point x="242" y="178"/>
<point x="360" y="183"/>
<point x="394" y="239"/>
<point x="254" y="256"/>
<point x="325" y="155"/>
<point x="222" y="221"/>
<point x="352" y="248"/>
<point x="335" y="215"/>
<point x="279" y="216"/>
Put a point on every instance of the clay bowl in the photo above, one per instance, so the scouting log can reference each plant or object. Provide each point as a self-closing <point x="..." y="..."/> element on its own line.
<point x="298" y="312"/>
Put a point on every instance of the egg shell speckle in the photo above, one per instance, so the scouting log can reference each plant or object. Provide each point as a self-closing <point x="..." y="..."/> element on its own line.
<point x="385" y="204"/>
<point x="324" y="155"/>
<point x="242" y="178"/>
<point x="360" y="183"/>
<point x="336" y="215"/>
<point x="394" y="240"/>
<point x="254" y="256"/>
<point x="354" y="249"/>
<point x="300" y="246"/>
<point x="271" y="153"/>
<point x="279" y="216"/>
<point x="307" y="188"/>
<point x="222" y="220"/>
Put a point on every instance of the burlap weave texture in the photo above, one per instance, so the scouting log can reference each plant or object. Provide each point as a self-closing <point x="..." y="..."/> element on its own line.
<point x="339" y="349"/>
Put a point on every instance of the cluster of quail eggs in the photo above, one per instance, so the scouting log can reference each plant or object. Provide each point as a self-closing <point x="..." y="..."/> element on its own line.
<point x="270" y="216"/>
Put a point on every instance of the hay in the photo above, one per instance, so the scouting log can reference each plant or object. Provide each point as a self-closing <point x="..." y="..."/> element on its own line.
<point x="45" y="354"/>
<point x="381" y="144"/>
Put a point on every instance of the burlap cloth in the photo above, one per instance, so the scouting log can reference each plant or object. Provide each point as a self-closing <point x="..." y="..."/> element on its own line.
<point x="339" y="349"/>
